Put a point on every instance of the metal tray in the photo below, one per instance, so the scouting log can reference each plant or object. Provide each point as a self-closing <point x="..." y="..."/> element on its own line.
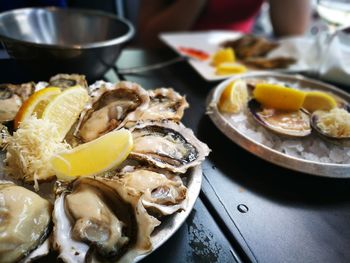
<point x="265" y="152"/>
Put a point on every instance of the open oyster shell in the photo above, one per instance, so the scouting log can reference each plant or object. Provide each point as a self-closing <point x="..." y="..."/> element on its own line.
<point x="165" y="104"/>
<point x="11" y="99"/>
<point x="293" y="124"/>
<point x="110" y="108"/>
<point x="332" y="128"/>
<point x="25" y="220"/>
<point x="162" y="193"/>
<point x="167" y="145"/>
<point x="65" y="81"/>
<point x="97" y="219"/>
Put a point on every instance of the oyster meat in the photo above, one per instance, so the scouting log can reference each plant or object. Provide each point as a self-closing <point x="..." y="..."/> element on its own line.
<point x="162" y="194"/>
<point x="112" y="108"/>
<point x="65" y="81"/>
<point x="11" y="99"/>
<point x="24" y="222"/>
<point x="97" y="219"/>
<point x="165" y="104"/>
<point x="167" y="145"/>
<point x="294" y="124"/>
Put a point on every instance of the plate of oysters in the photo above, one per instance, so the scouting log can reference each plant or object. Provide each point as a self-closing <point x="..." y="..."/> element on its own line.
<point x="289" y="120"/>
<point x="95" y="173"/>
<point x="217" y="55"/>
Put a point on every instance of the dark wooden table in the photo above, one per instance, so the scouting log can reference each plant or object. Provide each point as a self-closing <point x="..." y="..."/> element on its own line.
<point x="248" y="210"/>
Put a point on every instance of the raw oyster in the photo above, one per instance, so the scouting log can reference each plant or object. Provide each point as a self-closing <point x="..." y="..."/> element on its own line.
<point x="65" y="81"/>
<point x="11" y="99"/>
<point x="162" y="193"/>
<point x="98" y="219"/>
<point x="165" y="104"/>
<point x="294" y="124"/>
<point x="112" y="108"/>
<point x="24" y="222"/>
<point x="167" y="145"/>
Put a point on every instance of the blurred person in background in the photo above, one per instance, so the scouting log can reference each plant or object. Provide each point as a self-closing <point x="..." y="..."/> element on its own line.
<point x="288" y="17"/>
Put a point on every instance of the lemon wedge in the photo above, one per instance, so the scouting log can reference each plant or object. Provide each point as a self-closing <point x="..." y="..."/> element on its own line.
<point x="279" y="97"/>
<point x="65" y="108"/>
<point x="36" y="104"/>
<point x="318" y="100"/>
<point x="229" y="68"/>
<point x="223" y="55"/>
<point x="234" y="97"/>
<point x="94" y="157"/>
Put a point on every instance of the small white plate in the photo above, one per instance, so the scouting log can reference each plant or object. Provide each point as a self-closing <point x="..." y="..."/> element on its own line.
<point x="209" y="42"/>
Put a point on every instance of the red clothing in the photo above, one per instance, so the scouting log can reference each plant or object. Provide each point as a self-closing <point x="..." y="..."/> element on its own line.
<point x="237" y="15"/>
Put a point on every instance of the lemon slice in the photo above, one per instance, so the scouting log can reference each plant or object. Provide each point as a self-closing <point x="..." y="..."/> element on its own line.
<point x="279" y="97"/>
<point x="318" y="100"/>
<point x="94" y="157"/>
<point x="36" y="104"/>
<point x="234" y="97"/>
<point x="223" y="55"/>
<point x="229" y="68"/>
<point x="65" y="108"/>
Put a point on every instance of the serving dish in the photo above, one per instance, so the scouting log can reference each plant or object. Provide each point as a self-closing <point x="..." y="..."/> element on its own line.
<point x="119" y="214"/>
<point x="264" y="151"/>
<point x="209" y="42"/>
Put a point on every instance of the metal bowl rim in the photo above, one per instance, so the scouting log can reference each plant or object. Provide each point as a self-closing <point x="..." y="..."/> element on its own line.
<point x="114" y="41"/>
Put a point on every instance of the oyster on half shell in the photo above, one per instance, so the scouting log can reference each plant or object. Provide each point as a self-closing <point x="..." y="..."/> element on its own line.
<point x="25" y="219"/>
<point x="167" y="145"/>
<point x="165" y="104"/>
<point x="65" y="81"/>
<point x="293" y="124"/>
<point x="11" y="99"/>
<point x="112" y="108"/>
<point x="162" y="193"/>
<point x="97" y="219"/>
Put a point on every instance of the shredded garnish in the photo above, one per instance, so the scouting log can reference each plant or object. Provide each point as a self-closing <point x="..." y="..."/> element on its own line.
<point x="30" y="149"/>
<point x="335" y="123"/>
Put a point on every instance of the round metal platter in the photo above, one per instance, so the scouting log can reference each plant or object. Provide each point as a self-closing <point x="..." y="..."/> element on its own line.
<point x="170" y="224"/>
<point x="267" y="153"/>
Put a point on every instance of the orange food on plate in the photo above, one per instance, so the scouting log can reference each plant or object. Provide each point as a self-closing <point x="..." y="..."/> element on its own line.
<point x="194" y="53"/>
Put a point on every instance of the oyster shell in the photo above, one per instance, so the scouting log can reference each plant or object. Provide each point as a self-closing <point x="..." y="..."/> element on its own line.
<point x="24" y="222"/>
<point x="112" y="108"/>
<point x="165" y="104"/>
<point x="294" y="124"/>
<point x="162" y="194"/>
<point x="167" y="145"/>
<point x="98" y="219"/>
<point x="11" y="99"/>
<point x="65" y="81"/>
<point x="333" y="126"/>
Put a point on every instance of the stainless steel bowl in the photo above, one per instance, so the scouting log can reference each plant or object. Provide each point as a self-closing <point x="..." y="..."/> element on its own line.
<point x="47" y="41"/>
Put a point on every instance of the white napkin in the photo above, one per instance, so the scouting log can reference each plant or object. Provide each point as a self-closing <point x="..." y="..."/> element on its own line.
<point x="326" y="56"/>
